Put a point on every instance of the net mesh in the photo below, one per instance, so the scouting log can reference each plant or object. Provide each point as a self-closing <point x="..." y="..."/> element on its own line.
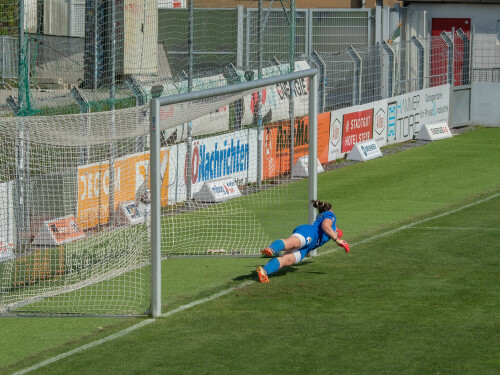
<point x="76" y="187"/>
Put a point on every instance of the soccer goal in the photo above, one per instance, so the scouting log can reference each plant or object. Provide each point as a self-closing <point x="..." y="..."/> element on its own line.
<point x="91" y="206"/>
<point x="237" y="190"/>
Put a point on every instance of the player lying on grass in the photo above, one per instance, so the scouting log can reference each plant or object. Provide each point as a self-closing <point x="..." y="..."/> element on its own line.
<point x="304" y="239"/>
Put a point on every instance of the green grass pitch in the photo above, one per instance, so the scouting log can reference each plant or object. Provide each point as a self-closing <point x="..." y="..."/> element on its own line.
<point x="424" y="299"/>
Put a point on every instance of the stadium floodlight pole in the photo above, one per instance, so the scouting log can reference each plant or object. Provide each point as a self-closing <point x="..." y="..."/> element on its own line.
<point x="154" y="132"/>
<point x="312" y="169"/>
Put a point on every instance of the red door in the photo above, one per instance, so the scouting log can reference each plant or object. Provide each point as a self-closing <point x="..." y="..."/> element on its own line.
<point x="439" y="50"/>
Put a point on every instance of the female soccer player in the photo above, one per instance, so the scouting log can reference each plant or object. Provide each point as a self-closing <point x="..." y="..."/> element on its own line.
<point x="304" y="239"/>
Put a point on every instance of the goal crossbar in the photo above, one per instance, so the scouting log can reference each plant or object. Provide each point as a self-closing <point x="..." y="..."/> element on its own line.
<point x="155" y="166"/>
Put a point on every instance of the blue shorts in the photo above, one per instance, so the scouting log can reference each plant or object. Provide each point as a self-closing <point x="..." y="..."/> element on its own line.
<point x="308" y="236"/>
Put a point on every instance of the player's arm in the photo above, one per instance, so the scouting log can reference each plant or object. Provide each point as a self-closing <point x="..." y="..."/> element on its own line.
<point x="326" y="225"/>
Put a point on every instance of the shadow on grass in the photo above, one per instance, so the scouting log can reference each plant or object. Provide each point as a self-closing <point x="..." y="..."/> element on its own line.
<point x="282" y="272"/>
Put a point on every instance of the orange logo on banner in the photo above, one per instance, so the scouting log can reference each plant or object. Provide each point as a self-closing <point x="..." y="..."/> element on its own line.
<point x="277" y="144"/>
<point x="65" y="229"/>
<point x="129" y="178"/>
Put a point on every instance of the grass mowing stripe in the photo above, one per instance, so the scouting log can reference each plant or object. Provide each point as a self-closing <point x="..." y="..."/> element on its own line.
<point x="227" y="291"/>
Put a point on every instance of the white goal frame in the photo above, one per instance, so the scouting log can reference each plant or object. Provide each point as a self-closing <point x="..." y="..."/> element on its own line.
<point x="155" y="172"/>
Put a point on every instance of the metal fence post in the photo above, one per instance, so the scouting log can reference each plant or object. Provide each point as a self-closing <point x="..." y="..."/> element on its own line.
<point x="321" y="65"/>
<point x="392" y="67"/>
<point x="140" y="99"/>
<point x="239" y="36"/>
<point x="465" y="78"/>
<point x="449" y="44"/>
<point x="84" y="108"/>
<point x="356" y="81"/>
<point x="420" y="62"/>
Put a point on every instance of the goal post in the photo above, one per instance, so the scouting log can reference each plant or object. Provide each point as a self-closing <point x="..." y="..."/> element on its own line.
<point x="210" y="99"/>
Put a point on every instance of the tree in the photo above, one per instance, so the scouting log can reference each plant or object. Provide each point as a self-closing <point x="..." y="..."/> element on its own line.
<point x="9" y="18"/>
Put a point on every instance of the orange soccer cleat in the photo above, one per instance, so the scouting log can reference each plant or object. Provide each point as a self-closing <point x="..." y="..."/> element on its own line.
<point x="262" y="275"/>
<point x="268" y="253"/>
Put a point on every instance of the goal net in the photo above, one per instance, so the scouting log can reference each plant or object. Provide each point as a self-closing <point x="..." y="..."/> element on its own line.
<point x="75" y="233"/>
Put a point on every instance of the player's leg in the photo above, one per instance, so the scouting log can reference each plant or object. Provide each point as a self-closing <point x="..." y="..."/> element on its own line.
<point x="277" y="246"/>
<point x="290" y="257"/>
<point x="288" y="244"/>
<point x="296" y="246"/>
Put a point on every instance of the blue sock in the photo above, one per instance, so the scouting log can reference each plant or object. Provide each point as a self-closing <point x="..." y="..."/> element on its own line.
<point x="272" y="266"/>
<point x="277" y="246"/>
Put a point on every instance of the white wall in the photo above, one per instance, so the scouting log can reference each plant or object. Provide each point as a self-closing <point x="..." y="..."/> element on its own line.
<point x="483" y="16"/>
<point x="485" y="97"/>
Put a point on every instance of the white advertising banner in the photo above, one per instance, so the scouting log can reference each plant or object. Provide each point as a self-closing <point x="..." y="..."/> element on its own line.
<point x="214" y="122"/>
<point x="363" y="151"/>
<point x="275" y="99"/>
<point x="228" y="155"/>
<point x="218" y="190"/>
<point x="349" y="126"/>
<point x="434" y="132"/>
<point x="387" y="121"/>
<point x="408" y="113"/>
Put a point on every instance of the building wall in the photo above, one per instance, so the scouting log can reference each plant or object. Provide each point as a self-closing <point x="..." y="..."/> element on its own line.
<point x="483" y="16"/>
<point x="485" y="97"/>
<point x="299" y="4"/>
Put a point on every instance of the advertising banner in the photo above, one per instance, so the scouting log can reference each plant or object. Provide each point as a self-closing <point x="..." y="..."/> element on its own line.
<point x="58" y="231"/>
<point x="232" y="154"/>
<point x="214" y="122"/>
<point x="275" y="99"/>
<point x="356" y="127"/>
<point x="434" y="132"/>
<point x="276" y="155"/>
<point x="392" y="120"/>
<point x="129" y="181"/>
<point x="349" y="126"/>
<point x="408" y="113"/>
<point x="363" y="151"/>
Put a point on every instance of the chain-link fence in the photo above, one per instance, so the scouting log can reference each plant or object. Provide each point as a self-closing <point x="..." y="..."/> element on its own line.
<point x="361" y="75"/>
<point x="112" y="57"/>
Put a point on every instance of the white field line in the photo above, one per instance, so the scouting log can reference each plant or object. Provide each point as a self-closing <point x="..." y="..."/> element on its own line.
<point x="457" y="228"/>
<point x="413" y="225"/>
<point x="227" y="291"/>
<point x="129" y="329"/>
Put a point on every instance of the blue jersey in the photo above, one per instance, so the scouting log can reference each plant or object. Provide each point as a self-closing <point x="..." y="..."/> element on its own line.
<point x="322" y="236"/>
<point x="315" y="235"/>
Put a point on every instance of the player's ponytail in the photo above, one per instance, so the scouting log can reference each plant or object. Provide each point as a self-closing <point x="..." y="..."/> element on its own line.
<point x="322" y="206"/>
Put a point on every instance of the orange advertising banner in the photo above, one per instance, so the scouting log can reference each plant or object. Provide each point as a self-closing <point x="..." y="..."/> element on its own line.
<point x="129" y="178"/>
<point x="277" y="144"/>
